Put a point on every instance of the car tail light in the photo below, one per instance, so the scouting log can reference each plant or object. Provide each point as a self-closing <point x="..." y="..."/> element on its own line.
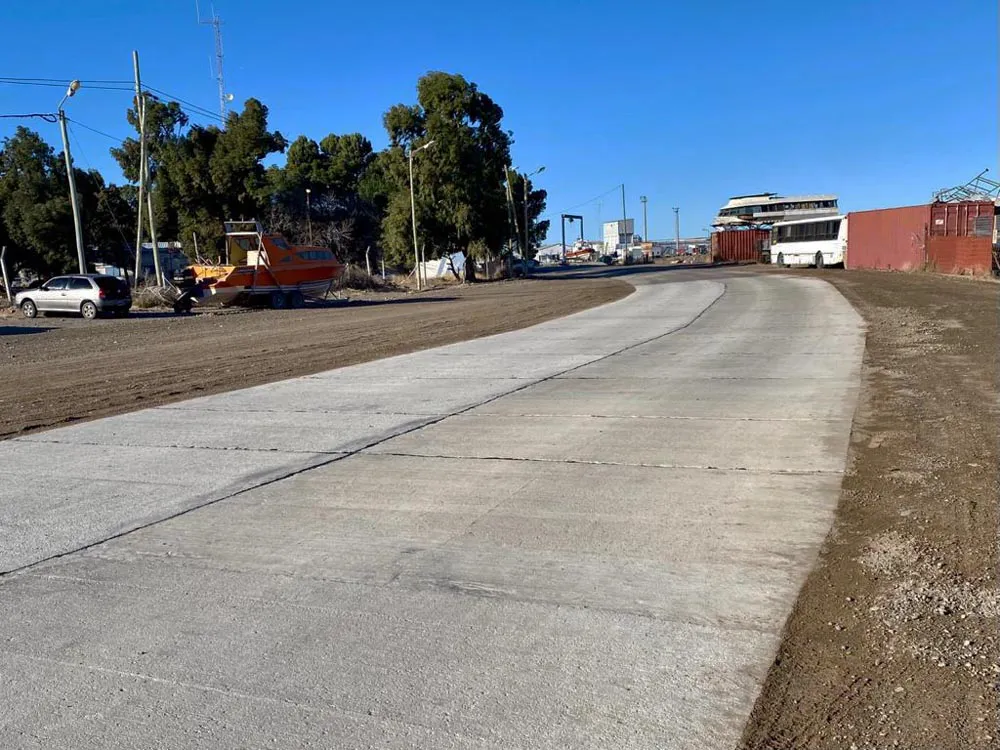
<point x="100" y="293"/>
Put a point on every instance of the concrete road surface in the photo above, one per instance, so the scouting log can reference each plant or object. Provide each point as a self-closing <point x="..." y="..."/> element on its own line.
<point x="583" y="534"/>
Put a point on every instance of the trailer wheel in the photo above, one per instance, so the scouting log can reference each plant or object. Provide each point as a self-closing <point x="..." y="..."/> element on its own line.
<point x="278" y="300"/>
<point x="296" y="299"/>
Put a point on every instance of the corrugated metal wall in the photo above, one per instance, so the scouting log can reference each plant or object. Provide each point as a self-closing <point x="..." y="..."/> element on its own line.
<point x="960" y="254"/>
<point x="739" y="245"/>
<point x="887" y="238"/>
<point x="959" y="219"/>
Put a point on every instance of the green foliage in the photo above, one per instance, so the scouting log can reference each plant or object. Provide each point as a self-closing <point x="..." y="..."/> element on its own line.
<point x="358" y="199"/>
<point x="34" y="204"/>
<point x="458" y="183"/>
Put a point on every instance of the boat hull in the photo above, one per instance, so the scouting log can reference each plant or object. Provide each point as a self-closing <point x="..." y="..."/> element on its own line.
<point x="230" y="285"/>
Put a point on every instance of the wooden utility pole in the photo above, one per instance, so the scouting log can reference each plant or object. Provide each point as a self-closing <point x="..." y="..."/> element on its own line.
<point x="140" y="113"/>
<point x="6" y="280"/>
<point x="144" y="182"/>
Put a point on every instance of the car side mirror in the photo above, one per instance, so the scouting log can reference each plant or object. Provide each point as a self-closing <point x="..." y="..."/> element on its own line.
<point x="43" y="288"/>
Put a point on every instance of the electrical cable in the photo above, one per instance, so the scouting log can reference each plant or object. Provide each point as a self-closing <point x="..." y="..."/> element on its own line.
<point x="196" y="108"/>
<point x="83" y="84"/>
<point x="578" y="205"/>
<point x="100" y="193"/>
<point x="47" y="116"/>
<point x="61" y="81"/>
<point x="95" y="130"/>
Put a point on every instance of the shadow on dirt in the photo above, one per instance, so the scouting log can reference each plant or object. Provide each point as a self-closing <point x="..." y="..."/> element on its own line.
<point x="22" y="330"/>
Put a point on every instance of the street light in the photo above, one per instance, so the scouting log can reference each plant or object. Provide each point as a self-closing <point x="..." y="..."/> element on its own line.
<point x="74" y="86"/>
<point x="645" y="224"/>
<point x="309" y="221"/>
<point x="413" y="212"/>
<point x="524" y="249"/>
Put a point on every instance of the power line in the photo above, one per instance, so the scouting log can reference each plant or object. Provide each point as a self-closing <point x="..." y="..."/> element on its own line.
<point x="195" y="108"/>
<point x="63" y="84"/>
<point x="578" y="205"/>
<point x="95" y="130"/>
<point x="100" y="193"/>
<point x="47" y="116"/>
<point x="62" y="81"/>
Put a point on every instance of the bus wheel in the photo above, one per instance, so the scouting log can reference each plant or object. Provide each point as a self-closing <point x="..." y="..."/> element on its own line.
<point x="781" y="260"/>
<point x="819" y="260"/>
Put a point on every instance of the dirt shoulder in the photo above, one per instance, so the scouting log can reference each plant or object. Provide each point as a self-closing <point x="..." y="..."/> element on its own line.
<point x="894" y="639"/>
<point x="60" y="370"/>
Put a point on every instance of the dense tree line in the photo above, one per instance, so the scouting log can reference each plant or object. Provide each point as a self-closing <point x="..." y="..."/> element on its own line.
<point x="339" y="189"/>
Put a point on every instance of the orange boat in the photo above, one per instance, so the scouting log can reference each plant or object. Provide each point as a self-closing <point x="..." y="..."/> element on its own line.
<point x="260" y="267"/>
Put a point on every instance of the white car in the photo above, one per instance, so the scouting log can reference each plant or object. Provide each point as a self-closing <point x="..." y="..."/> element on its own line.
<point x="88" y="295"/>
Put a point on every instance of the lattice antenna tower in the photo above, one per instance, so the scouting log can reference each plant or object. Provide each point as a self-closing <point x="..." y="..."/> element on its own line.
<point x="216" y="23"/>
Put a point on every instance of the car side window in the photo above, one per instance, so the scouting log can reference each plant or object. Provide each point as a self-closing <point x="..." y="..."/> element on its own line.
<point x="80" y="284"/>
<point x="56" y="284"/>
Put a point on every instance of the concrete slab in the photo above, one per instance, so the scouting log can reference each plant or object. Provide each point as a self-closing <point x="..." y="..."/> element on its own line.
<point x="260" y="430"/>
<point x="374" y="599"/>
<point x="677" y="397"/>
<point x="58" y="497"/>
<point x="353" y="394"/>
<point x="317" y="664"/>
<point x="707" y="443"/>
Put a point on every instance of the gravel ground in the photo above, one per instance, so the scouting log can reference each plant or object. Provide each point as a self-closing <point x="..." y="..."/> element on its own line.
<point x="894" y="639"/>
<point x="58" y="370"/>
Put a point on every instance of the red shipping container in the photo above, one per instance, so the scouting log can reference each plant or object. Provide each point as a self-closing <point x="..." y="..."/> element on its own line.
<point x="960" y="254"/>
<point x="887" y="238"/>
<point x="739" y="245"/>
<point x="959" y="219"/>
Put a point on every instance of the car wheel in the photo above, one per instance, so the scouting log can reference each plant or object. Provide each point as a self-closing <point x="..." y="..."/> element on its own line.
<point x="278" y="300"/>
<point x="88" y="310"/>
<point x="781" y="260"/>
<point x="819" y="260"/>
<point x="28" y="309"/>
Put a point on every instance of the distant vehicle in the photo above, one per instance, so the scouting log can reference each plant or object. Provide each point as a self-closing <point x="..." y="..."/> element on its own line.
<point x="607" y="259"/>
<point x="809" y="242"/>
<point x="88" y="295"/>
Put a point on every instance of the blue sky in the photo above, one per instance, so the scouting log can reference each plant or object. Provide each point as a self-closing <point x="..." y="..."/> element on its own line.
<point x="880" y="102"/>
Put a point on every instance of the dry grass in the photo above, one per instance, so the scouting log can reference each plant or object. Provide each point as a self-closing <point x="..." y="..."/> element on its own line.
<point x="357" y="278"/>
<point x="148" y="297"/>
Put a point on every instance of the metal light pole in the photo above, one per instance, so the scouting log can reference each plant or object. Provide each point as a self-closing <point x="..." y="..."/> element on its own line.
<point x="645" y="222"/>
<point x="624" y="228"/>
<point x="413" y="214"/>
<point x="524" y="249"/>
<point x="74" y="86"/>
<point x="677" y="230"/>
<point x="309" y="221"/>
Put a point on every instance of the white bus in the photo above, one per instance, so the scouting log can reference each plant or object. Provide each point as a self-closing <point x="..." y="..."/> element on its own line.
<point x="809" y="242"/>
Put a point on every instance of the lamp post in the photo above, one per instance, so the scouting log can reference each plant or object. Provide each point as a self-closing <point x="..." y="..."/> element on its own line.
<point x="74" y="86"/>
<point x="524" y="248"/>
<point x="677" y="229"/>
<point x="309" y="221"/>
<point x="413" y="213"/>
<point x="645" y="222"/>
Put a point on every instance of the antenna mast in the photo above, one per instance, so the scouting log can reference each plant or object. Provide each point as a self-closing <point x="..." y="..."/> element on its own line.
<point x="216" y="23"/>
